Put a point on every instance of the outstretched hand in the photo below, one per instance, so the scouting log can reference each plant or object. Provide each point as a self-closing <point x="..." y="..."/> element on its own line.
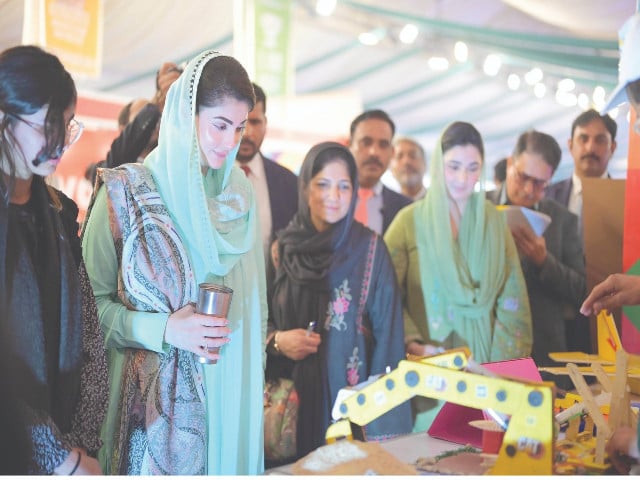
<point x="617" y="290"/>
<point x="618" y="447"/>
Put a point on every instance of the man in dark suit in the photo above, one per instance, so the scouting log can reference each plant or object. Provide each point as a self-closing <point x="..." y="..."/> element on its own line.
<point x="371" y="143"/>
<point x="552" y="264"/>
<point x="592" y="144"/>
<point x="276" y="187"/>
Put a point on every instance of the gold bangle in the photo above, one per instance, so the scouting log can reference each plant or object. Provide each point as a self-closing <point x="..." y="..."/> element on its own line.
<point x="275" y="342"/>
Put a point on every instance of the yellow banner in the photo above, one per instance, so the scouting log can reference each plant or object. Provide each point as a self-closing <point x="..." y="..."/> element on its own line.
<point x="70" y="29"/>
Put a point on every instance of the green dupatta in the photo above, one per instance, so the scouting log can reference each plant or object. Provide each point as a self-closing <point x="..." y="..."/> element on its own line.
<point x="216" y="216"/>
<point x="213" y="213"/>
<point x="461" y="278"/>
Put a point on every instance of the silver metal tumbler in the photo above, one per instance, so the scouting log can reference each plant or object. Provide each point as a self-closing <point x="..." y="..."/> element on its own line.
<point x="213" y="300"/>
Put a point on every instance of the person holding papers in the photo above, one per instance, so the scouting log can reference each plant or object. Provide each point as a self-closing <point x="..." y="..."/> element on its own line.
<point x="552" y="263"/>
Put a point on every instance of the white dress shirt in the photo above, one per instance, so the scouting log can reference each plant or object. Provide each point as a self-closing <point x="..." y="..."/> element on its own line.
<point x="575" y="198"/>
<point x="258" y="179"/>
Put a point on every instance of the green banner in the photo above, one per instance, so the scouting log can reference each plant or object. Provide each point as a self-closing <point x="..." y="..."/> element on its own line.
<point x="632" y="312"/>
<point x="274" y="66"/>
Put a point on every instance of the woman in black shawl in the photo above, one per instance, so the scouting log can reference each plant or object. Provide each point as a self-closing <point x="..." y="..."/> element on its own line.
<point x="48" y="318"/>
<point x="334" y="274"/>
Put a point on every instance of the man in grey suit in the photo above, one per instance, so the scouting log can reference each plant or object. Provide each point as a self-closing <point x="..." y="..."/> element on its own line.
<point x="553" y="264"/>
<point x="371" y="143"/>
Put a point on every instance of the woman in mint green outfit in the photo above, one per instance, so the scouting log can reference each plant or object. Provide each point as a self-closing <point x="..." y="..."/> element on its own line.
<point x="458" y="266"/>
<point x="156" y="231"/>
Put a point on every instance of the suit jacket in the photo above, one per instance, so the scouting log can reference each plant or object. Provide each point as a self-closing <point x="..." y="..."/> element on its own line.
<point x="392" y="202"/>
<point x="580" y="340"/>
<point x="283" y="194"/>
<point x="557" y="288"/>
<point x="560" y="191"/>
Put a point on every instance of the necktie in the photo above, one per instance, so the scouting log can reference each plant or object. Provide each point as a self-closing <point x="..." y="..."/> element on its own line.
<point x="361" y="215"/>
<point x="246" y="169"/>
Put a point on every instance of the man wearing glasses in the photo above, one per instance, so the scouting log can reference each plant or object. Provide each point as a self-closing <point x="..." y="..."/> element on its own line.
<point x="552" y="264"/>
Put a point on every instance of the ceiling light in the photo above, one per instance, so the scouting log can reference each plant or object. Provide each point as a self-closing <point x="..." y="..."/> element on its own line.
<point x="513" y="81"/>
<point x="371" y="38"/>
<point x="325" y="7"/>
<point x="438" y="63"/>
<point x="539" y="90"/>
<point x="566" y="85"/>
<point x="583" y="101"/>
<point x="567" y="99"/>
<point x="461" y="52"/>
<point x="598" y="95"/>
<point x="533" y="76"/>
<point x="408" y="34"/>
<point x="492" y="64"/>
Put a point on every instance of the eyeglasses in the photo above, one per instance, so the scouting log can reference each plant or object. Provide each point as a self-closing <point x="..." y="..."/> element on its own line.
<point x="73" y="132"/>
<point x="523" y="178"/>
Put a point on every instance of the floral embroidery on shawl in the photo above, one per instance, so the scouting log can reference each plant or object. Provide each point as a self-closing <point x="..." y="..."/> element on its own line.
<point x="339" y="306"/>
<point x="511" y="304"/>
<point x="352" y="368"/>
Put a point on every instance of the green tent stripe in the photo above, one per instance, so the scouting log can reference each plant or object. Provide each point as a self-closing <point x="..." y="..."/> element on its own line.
<point x="328" y="56"/>
<point x="367" y="71"/>
<point x="224" y="40"/>
<point x="422" y="84"/>
<point x="458" y="29"/>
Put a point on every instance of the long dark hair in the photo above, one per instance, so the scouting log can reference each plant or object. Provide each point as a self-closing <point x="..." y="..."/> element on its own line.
<point x="31" y="78"/>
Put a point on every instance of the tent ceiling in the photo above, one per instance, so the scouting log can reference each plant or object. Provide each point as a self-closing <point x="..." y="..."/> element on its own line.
<point x="568" y="38"/>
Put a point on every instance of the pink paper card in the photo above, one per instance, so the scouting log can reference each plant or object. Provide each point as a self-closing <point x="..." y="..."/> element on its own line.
<point x="452" y="422"/>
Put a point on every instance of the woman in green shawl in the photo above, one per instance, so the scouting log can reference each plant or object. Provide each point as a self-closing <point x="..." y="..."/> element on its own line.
<point x="156" y="231"/>
<point x="457" y="264"/>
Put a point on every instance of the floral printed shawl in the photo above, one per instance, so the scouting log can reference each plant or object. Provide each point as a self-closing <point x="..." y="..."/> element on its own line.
<point x="153" y="431"/>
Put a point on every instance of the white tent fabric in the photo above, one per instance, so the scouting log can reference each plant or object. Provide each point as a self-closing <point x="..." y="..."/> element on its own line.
<point x="568" y="38"/>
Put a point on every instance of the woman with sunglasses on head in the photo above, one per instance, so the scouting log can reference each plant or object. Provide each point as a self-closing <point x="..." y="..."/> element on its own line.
<point x="458" y="266"/>
<point x="48" y="314"/>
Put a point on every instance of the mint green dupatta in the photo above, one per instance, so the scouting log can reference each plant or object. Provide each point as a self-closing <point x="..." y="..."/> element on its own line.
<point x="214" y="213"/>
<point x="461" y="278"/>
<point x="216" y="218"/>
